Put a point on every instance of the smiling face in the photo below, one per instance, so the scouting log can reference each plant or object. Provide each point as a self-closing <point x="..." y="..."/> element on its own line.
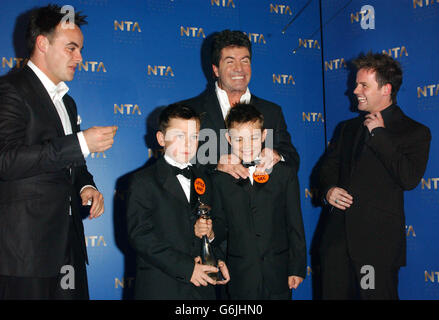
<point x="371" y="97"/>
<point x="233" y="70"/>
<point x="246" y="140"/>
<point x="180" y="140"/>
<point x="61" y="53"/>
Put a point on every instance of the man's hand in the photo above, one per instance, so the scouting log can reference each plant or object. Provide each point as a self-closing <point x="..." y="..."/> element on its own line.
<point x="100" y="139"/>
<point x="231" y="164"/>
<point x="269" y="158"/>
<point x="374" y="120"/>
<point x="339" y="198"/>
<point x="203" y="227"/>
<point x="199" y="276"/>
<point x="97" y="201"/>
<point x="294" y="281"/>
<point x="224" y="271"/>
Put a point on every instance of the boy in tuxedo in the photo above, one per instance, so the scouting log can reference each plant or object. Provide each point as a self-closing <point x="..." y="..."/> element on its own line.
<point x="266" y="251"/>
<point x="161" y="216"/>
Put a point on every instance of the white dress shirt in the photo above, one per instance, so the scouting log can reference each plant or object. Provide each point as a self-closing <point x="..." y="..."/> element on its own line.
<point x="251" y="170"/>
<point x="224" y="102"/>
<point x="56" y="93"/>
<point x="184" y="182"/>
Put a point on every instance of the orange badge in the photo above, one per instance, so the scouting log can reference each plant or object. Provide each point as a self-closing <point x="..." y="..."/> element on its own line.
<point x="260" y="177"/>
<point x="200" y="186"/>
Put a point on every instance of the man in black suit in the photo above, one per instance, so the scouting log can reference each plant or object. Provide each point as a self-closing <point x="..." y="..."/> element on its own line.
<point x="266" y="249"/>
<point x="231" y="64"/>
<point x="43" y="175"/>
<point x="371" y="161"/>
<point x="161" y="216"/>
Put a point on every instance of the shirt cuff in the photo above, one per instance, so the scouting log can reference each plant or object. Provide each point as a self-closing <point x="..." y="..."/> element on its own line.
<point x="83" y="144"/>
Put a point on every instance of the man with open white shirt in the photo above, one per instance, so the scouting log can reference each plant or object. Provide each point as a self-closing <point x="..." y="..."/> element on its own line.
<point x="231" y="65"/>
<point x="43" y="174"/>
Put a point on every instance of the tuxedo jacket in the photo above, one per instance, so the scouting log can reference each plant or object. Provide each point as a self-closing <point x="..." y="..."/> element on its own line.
<point x="41" y="173"/>
<point x="207" y="105"/>
<point x="375" y="170"/>
<point x="161" y="230"/>
<point x="265" y="234"/>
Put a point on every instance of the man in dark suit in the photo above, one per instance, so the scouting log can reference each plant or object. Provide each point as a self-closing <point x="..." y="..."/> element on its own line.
<point x="161" y="216"/>
<point x="371" y="161"/>
<point x="231" y="64"/>
<point x="43" y="175"/>
<point x="266" y="249"/>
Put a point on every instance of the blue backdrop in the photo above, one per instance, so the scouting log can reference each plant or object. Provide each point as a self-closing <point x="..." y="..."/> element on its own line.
<point x="141" y="55"/>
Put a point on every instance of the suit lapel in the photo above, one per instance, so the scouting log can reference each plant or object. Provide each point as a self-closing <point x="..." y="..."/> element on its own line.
<point x="71" y="113"/>
<point x="251" y="190"/>
<point x="357" y="140"/>
<point x="41" y="97"/>
<point x="213" y="109"/>
<point x="194" y="196"/>
<point x="170" y="182"/>
<point x="204" y="198"/>
<point x="254" y="100"/>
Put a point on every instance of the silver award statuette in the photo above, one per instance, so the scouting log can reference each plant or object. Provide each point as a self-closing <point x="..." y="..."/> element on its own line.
<point x="207" y="255"/>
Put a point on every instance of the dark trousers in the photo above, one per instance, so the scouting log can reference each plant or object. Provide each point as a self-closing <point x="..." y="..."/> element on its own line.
<point x="345" y="279"/>
<point x="29" y="288"/>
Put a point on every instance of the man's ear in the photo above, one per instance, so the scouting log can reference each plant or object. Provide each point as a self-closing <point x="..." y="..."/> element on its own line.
<point x="160" y="138"/>
<point x="229" y="139"/>
<point x="387" y="89"/>
<point x="215" y="70"/>
<point x="42" y="43"/>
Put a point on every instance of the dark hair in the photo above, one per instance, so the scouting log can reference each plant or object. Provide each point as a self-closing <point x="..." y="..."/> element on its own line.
<point x="44" y="20"/>
<point x="242" y="113"/>
<point x="387" y="70"/>
<point x="227" y="38"/>
<point x="176" y="110"/>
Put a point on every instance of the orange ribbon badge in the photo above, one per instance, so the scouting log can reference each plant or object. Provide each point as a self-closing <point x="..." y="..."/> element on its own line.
<point x="200" y="186"/>
<point x="260" y="177"/>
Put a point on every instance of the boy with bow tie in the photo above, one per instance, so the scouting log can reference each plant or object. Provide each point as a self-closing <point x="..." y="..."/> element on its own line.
<point x="266" y="253"/>
<point x="161" y="219"/>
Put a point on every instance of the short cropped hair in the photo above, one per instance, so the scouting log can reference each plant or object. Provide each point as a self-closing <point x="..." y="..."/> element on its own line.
<point x="387" y="70"/>
<point x="176" y="111"/>
<point x="228" y="38"/>
<point x="243" y="113"/>
<point x="44" y="20"/>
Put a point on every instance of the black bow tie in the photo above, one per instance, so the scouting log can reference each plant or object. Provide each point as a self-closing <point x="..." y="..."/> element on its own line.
<point x="250" y="164"/>
<point x="186" y="172"/>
